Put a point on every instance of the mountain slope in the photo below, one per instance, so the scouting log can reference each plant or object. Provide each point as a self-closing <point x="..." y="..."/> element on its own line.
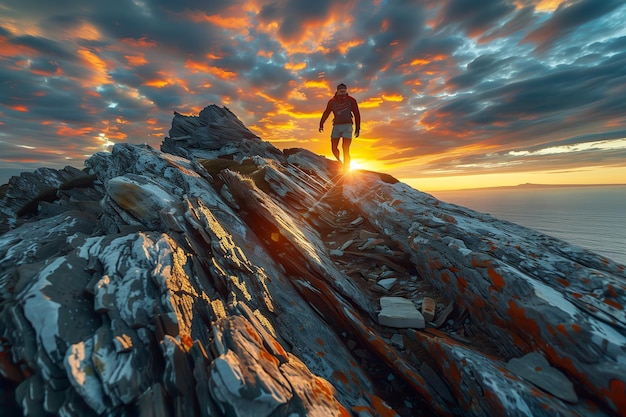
<point x="222" y="276"/>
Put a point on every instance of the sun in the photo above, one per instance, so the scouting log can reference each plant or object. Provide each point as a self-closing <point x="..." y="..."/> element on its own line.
<point x="356" y="164"/>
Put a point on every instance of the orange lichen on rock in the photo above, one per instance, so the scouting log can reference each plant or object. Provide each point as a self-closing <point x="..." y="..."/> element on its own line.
<point x="381" y="408"/>
<point x="497" y="279"/>
<point x="617" y="393"/>
<point x="563" y="282"/>
<point x="613" y="303"/>
<point x="462" y="281"/>
<point x="478" y="263"/>
<point x="518" y="314"/>
<point x="494" y="401"/>
<point x="435" y="264"/>
<point x="340" y="376"/>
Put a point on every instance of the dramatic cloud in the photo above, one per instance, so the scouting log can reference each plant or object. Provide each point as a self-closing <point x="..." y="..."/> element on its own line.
<point x="447" y="88"/>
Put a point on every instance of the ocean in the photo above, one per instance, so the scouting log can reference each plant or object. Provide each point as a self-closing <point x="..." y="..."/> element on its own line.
<point x="592" y="217"/>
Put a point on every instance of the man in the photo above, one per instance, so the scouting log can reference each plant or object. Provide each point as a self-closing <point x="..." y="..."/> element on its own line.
<point x="343" y="107"/>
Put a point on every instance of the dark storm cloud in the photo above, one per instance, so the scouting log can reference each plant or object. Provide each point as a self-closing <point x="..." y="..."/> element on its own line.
<point x="569" y="18"/>
<point x="44" y="46"/>
<point x="209" y="7"/>
<point x="478" y="70"/>
<point x="560" y="98"/>
<point x="293" y="16"/>
<point x="474" y="16"/>
<point x="164" y="98"/>
<point x="56" y="99"/>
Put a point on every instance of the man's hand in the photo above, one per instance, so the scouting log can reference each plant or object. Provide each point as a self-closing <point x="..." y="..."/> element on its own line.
<point x="321" y="129"/>
<point x="356" y="134"/>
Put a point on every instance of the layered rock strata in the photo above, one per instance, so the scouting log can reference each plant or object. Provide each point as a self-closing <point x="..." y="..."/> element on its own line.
<point x="220" y="276"/>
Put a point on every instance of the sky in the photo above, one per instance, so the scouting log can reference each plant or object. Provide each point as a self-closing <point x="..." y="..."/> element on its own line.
<point x="453" y="93"/>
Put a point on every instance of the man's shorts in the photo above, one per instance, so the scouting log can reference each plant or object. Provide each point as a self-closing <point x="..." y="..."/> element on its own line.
<point x="342" y="131"/>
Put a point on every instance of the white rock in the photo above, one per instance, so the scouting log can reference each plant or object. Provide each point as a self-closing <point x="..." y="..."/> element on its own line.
<point x="400" y="313"/>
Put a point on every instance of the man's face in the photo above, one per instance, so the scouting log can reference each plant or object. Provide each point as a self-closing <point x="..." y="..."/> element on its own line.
<point x="342" y="92"/>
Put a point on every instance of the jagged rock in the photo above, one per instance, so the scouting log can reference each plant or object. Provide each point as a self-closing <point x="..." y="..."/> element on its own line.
<point x="200" y="279"/>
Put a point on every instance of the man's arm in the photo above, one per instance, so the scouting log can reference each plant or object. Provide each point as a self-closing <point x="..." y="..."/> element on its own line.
<point x="325" y="115"/>
<point x="357" y="117"/>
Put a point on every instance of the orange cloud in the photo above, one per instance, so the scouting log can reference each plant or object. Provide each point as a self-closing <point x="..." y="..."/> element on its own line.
<point x="69" y="131"/>
<point x="97" y="65"/>
<point x="85" y="31"/>
<point x="19" y="107"/>
<point x="136" y="60"/>
<point x="140" y="43"/>
<point x="156" y="83"/>
<point x="196" y="66"/>
<point x="420" y="61"/>
<point x="371" y="103"/>
<point x="237" y="23"/>
<point x="344" y="47"/>
<point x="8" y="49"/>
<point x="57" y="71"/>
<point x="393" y="97"/>
<point x="316" y="84"/>
<point x="547" y="5"/>
<point x="295" y="66"/>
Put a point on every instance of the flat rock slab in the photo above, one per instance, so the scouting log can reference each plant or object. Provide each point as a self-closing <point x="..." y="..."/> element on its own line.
<point x="400" y="313"/>
<point x="534" y="368"/>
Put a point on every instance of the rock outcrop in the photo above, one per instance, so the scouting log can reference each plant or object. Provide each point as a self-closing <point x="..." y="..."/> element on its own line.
<point x="220" y="276"/>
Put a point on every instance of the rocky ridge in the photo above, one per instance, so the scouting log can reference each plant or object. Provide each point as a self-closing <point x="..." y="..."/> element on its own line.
<point x="220" y="276"/>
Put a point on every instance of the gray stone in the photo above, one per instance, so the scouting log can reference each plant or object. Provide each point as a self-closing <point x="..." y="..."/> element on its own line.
<point x="534" y="368"/>
<point x="387" y="283"/>
<point x="397" y="340"/>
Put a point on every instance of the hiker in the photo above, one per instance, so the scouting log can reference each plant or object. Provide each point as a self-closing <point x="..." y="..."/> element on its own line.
<point x="343" y="107"/>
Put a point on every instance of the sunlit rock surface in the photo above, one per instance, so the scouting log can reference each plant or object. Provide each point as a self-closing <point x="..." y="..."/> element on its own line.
<point x="221" y="276"/>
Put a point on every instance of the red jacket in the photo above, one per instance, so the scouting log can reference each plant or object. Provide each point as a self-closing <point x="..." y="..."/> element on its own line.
<point x="342" y="109"/>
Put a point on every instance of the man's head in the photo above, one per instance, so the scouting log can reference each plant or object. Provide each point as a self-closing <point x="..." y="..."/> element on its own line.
<point x="342" y="89"/>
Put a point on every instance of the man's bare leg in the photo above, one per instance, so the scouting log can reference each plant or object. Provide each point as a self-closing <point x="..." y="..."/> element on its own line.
<point x="334" y="142"/>
<point x="345" y="145"/>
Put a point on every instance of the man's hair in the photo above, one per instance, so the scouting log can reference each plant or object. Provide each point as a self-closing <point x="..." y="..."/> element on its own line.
<point x="342" y="85"/>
